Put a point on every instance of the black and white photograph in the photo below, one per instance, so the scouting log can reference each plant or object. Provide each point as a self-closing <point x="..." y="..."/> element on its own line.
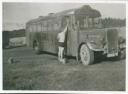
<point x="64" y="46"/>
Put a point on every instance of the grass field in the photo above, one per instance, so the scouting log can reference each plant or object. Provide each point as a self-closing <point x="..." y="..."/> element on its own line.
<point x="44" y="72"/>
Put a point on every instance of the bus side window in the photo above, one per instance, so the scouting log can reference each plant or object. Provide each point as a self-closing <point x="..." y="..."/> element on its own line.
<point x="39" y="27"/>
<point x="73" y="22"/>
<point x="30" y="28"/>
<point x="59" y="24"/>
<point x="55" y="26"/>
<point x="63" y="20"/>
<point x="34" y="28"/>
<point x="42" y="27"/>
<point x="90" y="22"/>
<point x="49" y="25"/>
<point x="45" y="26"/>
<point x="86" y="22"/>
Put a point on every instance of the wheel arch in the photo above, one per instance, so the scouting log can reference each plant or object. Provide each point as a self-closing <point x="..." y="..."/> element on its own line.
<point x="87" y="43"/>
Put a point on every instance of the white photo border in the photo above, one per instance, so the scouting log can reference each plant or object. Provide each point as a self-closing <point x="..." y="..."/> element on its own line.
<point x="54" y="91"/>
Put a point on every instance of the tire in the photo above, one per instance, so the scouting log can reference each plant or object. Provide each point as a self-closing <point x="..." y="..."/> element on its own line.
<point x="86" y="55"/>
<point x="36" y="47"/>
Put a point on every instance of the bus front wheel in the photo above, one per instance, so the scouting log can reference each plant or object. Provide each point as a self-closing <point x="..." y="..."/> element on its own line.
<point x="86" y="55"/>
<point x="36" y="47"/>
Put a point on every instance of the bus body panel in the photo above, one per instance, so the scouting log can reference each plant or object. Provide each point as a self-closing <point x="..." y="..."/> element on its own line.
<point x="45" y="30"/>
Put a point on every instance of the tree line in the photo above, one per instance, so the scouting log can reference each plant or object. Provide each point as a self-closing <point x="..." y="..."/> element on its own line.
<point x="113" y="22"/>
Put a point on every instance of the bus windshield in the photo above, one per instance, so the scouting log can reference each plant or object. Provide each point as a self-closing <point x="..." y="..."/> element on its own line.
<point x="90" y="23"/>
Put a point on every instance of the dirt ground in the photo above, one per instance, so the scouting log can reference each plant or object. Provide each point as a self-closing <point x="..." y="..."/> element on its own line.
<point x="44" y="72"/>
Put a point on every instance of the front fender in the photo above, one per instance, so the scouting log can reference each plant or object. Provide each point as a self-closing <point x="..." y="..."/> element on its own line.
<point x="94" y="46"/>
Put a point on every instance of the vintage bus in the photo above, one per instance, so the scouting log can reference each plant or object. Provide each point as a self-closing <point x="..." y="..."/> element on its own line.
<point x="85" y="35"/>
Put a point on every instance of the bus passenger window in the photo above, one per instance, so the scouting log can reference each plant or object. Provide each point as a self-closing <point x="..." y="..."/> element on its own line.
<point x="86" y="22"/>
<point x="55" y="26"/>
<point x="49" y="27"/>
<point x="96" y="20"/>
<point x="38" y="27"/>
<point x="45" y="26"/>
<point x="35" y="28"/>
<point x="42" y="27"/>
<point x="30" y="28"/>
<point x="90" y="23"/>
<point x="59" y="24"/>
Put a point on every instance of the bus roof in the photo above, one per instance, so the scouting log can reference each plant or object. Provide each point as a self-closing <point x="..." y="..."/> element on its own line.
<point x="84" y="10"/>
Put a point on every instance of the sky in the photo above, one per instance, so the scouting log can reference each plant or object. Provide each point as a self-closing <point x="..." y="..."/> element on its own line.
<point x="15" y="15"/>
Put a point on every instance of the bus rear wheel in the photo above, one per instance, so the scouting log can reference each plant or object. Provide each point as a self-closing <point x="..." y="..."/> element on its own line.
<point x="86" y="55"/>
<point x="36" y="47"/>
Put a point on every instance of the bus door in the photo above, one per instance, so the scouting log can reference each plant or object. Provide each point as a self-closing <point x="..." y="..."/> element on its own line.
<point x="72" y="42"/>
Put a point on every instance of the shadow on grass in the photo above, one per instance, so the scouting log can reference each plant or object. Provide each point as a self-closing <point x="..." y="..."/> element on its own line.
<point x="99" y="58"/>
<point x="54" y="54"/>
